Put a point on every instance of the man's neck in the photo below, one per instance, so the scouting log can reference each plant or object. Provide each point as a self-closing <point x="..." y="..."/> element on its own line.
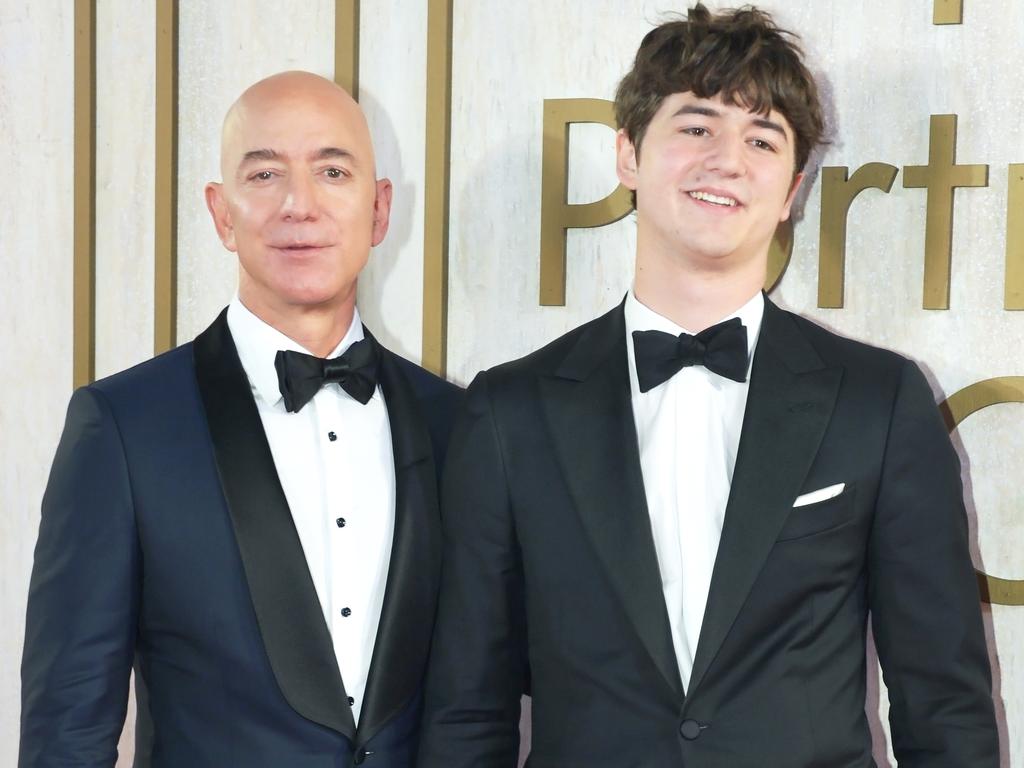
<point x="693" y="298"/>
<point x="319" y="329"/>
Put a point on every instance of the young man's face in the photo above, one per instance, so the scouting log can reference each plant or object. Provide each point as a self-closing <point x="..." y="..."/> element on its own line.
<point x="712" y="180"/>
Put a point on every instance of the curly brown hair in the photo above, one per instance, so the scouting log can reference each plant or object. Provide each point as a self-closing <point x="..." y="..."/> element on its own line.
<point x="739" y="55"/>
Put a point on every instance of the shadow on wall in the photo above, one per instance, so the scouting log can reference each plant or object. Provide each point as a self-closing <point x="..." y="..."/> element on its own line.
<point x="979" y="563"/>
<point x="384" y="257"/>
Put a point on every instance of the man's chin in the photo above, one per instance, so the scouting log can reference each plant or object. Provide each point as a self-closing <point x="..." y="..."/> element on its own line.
<point x="314" y="299"/>
<point x="711" y="253"/>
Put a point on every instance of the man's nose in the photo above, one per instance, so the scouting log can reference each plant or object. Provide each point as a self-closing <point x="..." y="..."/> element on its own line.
<point x="725" y="155"/>
<point x="300" y="203"/>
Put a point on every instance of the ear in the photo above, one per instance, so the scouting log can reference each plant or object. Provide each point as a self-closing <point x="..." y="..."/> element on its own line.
<point x="218" y="208"/>
<point x="797" y="181"/>
<point x="381" y="211"/>
<point x="625" y="160"/>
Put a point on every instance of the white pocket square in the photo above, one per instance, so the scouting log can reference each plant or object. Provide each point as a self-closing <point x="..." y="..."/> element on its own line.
<point x="819" y="495"/>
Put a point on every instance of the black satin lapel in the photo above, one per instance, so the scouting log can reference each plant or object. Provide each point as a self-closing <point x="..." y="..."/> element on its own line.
<point x="287" y="608"/>
<point x="594" y="434"/>
<point x="407" y="616"/>
<point x="789" y="405"/>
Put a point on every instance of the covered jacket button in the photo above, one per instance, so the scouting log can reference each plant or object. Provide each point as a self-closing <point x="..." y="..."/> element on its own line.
<point x="690" y="729"/>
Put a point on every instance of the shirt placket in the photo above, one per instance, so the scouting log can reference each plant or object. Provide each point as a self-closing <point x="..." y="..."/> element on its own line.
<point x="342" y="532"/>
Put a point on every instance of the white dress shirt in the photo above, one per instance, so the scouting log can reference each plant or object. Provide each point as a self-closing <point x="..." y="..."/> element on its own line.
<point x="336" y="467"/>
<point x="688" y="429"/>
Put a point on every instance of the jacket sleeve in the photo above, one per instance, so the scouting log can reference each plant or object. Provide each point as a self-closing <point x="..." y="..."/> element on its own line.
<point x="923" y="595"/>
<point x="83" y="598"/>
<point x="477" y="668"/>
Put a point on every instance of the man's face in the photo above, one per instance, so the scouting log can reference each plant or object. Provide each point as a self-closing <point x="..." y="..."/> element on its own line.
<point x="300" y="203"/>
<point x="712" y="181"/>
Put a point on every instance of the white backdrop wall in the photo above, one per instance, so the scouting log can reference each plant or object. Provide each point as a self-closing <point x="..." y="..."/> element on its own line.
<point x="35" y="301"/>
<point x="884" y="69"/>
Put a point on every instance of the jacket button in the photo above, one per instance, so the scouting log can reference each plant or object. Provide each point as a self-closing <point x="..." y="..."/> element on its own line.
<point x="359" y="756"/>
<point x="690" y="729"/>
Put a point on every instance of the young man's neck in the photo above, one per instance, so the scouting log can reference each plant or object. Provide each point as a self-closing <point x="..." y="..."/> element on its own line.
<point x="319" y="329"/>
<point x="695" y="299"/>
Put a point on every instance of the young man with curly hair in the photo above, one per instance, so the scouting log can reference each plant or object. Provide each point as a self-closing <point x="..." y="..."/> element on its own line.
<point x="671" y="524"/>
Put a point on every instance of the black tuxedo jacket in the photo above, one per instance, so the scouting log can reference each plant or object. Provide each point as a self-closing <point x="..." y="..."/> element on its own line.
<point x="551" y="580"/>
<point x="166" y="541"/>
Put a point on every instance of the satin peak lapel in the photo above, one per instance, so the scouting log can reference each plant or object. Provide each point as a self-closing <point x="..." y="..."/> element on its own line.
<point x="590" y="415"/>
<point x="789" y="404"/>
<point x="287" y="607"/>
<point x="403" y="635"/>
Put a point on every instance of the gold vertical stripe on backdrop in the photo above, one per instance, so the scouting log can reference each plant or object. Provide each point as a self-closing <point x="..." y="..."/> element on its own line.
<point x="948" y="12"/>
<point x="437" y="177"/>
<point x="84" y="258"/>
<point x="346" y="45"/>
<point x="1014" y="288"/>
<point x="165" y="241"/>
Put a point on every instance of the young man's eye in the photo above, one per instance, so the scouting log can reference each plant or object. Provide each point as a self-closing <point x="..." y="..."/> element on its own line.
<point x="262" y="176"/>
<point x="762" y="144"/>
<point x="696" y="130"/>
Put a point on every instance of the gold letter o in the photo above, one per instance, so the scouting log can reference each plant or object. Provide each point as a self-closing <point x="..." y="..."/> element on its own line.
<point x="956" y="408"/>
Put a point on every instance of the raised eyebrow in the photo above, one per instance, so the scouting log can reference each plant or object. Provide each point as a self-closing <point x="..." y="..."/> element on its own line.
<point x="770" y="125"/>
<point x="693" y="109"/>
<point x="259" y="155"/>
<point x="332" y="153"/>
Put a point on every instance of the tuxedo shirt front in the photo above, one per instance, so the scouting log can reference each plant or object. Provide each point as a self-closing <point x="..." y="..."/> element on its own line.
<point x="688" y="432"/>
<point x="336" y="466"/>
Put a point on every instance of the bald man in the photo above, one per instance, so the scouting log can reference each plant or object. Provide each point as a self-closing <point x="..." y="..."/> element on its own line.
<point x="251" y="519"/>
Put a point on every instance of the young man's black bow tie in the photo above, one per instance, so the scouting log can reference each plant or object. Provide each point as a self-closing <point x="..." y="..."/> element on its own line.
<point x="722" y="349"/>
<point x="300" y="376"/>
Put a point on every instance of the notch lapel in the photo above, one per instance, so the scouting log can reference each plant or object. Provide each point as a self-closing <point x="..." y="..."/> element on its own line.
<point x="791" y="398"/>
<point x="288" y="611"/>
<point x="407" y="616"/>
<point x="590" y="414"/>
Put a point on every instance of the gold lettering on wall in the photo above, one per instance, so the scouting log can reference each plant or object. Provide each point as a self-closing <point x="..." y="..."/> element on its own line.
<point x="346" y="45"/>
<point x="1014" y="289"/>
<point x="557" y="215"/>
<point x="948" y="12"/>
<point x="436" y="189"/>
<point x="83" y="290"/>
<point x="837" y="194"/>
<point x="940" y="177"/>
<point x="956" y="408"/>
<point x="165" y="239"/>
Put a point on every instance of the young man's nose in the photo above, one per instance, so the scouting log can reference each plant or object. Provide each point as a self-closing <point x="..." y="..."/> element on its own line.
<point x="725" y="155"/>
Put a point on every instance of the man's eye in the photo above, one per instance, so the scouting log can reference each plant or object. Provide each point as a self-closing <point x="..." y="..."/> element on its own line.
<point x="334" y="173"/>
<point x="262" y="175"/>
<point x="762" y="144"/>
<point x="696" y="131"/>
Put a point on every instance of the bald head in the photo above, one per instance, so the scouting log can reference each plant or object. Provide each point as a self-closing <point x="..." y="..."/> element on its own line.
<point x="300" y="202"/>
<point x="288" y="96"/>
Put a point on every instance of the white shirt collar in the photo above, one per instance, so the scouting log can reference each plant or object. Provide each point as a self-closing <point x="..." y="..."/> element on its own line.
<point x="640" y="317"/>
<point x="258" y="343"/>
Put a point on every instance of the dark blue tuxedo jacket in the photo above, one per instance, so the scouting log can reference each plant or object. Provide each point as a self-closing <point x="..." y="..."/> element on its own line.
<point x="166" y="543"/>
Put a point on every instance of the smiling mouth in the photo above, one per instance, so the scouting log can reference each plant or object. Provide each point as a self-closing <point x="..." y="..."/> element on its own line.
<point x="707" y="197"/>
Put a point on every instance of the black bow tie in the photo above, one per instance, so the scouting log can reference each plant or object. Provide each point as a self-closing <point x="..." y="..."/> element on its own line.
<point x="300" y="376"/>
<point x="722" y="349"/>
